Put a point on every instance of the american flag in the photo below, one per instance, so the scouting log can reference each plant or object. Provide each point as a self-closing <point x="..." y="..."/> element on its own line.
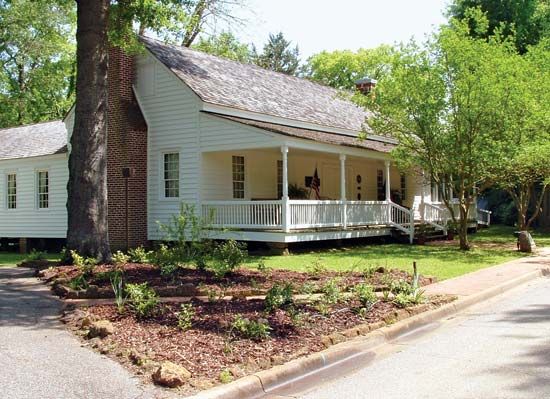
<point x="316" y="184"/>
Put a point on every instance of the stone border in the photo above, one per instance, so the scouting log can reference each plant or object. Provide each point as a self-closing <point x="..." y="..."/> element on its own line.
<point x="268" y="381"/>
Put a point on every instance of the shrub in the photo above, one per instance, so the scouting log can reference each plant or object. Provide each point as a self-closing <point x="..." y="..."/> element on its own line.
<point x="225" y="376"/>
<point x="142" y="299"/>
<point x="228" y="256"/>
<point x="400" y="287"/>
<point x="79" y="283"/>
<point x="139" y="255"/>
<point x="36" y="255"/>
<point x="365" y="295"/>
<point x="86" y="264"/>
<point x="185" y="316"/>
<point x="317" y="267"/>
<point x="120" y="258"/>
<point x="118" y="289"/>
<point x="278" y="297"/>
<point x="331" y="292"/>
<point x="250" y="329"/>
<point x="402" y="300"/>
<point x="165" y="259"/>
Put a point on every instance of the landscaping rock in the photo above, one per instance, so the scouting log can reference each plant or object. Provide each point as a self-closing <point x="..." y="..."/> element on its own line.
<point x="526" y="242"/>
<point x="171" y="375"/>
<point x="137" y="358"/>
<point x="101" y="328"/>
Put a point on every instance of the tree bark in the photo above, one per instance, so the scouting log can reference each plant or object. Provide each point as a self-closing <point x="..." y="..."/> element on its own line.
<point x="463" y="227"/>
<point x="87" y="187"/>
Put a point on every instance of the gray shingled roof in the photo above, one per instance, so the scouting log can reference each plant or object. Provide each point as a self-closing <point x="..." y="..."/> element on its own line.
<point x="248" y="87"/>
<point x="315" y="135"/>
<point x="36" y="140"/>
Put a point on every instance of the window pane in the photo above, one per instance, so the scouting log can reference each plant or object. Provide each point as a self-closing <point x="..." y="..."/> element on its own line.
<point x="171" y="175"/>
<point x="12" y="191"/>
<point x="238" y="176"/>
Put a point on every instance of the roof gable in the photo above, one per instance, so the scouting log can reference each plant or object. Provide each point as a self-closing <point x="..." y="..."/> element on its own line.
<point x="47" y="138"/>
<point x="251" y="88"/>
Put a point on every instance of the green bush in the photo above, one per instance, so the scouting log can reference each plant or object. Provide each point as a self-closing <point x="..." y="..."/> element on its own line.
<point x="142" y="299"/>
<point x="401" y="287"/>
<point x="36" y="255"/>
<point x="365" y="295"/>
<point x="250" y="329"/>
<point x="228" y="256"/>
<point x="185" y="316"/>
<point x="85" y="264"/>
<point x="331" y="292"/>
<point x="278" y="297"/>
<point x="120" y="258"/>
<point x="139" y="255"/>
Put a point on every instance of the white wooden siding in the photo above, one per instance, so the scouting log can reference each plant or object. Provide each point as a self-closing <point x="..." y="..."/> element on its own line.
<point x="27" y="220"/>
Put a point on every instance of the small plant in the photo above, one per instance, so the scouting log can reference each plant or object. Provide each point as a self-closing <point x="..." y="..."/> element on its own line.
<point x="263" y="268"/>
<point x="120" y="258"/>
<point x="225" y="376"/>
<point x="331" y="292"/>
<point x="365" y="295"/>
<point x="139" y="255"/>
<point x="228" y="256"/>
<point x="323" y="308"/>
<point x="296" y="316"/>
<point x="402" y="300"/>
<point x="142" y="299"/>
<point x="317" y="267"/>
<point x="278" y="297"/>
<point x="400" y="287"/>
<point x="79" y="283"/>
<point x="118" y="289"/>
<point x="185" y="316"/>
<point x="308" y="288"/>
<point x="85" y="264"/>
<point x="250" y="329"/>
<point x="369" y="271"/>
<point x="36" y="255"/>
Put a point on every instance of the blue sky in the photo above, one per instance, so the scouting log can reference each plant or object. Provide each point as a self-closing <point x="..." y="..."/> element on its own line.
<point x="342" y="24"/>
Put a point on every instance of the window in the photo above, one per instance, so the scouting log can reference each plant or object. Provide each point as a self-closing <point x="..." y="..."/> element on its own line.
<point x="279" y="179"/>
<point x="43" y="189"/>
<point x="403" y="187"/>
<point x="380" y="189"/>
<point x="12" y="191"/>
<point x="238" y="177"/>
<point x="172" y="175"/>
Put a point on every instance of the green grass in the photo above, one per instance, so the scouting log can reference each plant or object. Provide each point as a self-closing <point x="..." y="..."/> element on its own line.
<point x="11" y="259"/>
<point x="492" y="247"/>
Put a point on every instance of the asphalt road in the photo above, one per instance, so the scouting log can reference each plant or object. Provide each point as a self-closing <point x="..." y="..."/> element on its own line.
<point x="500" y="349"/>
<point x="40" y="359"/>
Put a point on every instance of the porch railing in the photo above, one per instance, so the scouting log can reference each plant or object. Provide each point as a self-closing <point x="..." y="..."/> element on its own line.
<point x="483" y="217"/>
<point x="243" y="214"/>
<point x="437" y="216"/>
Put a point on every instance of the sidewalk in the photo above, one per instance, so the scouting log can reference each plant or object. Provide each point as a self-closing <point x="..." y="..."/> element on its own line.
<point x="484" y="279"/>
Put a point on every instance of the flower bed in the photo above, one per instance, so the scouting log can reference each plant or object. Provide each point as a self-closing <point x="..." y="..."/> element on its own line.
<point x="194" y="282"/>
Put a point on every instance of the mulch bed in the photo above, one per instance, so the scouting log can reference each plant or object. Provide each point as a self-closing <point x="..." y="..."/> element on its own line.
<point x="241" y="282"/>
<point x="210" y="346"/>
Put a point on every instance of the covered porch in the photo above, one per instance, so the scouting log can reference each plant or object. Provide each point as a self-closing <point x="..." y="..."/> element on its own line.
<point x="291" y="193"/>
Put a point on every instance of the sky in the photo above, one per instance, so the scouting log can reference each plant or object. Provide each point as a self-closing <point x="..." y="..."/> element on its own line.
<point x="317" y="25"/>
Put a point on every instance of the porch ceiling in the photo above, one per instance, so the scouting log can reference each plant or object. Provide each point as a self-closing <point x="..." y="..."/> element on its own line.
<point x="313" y="135"/>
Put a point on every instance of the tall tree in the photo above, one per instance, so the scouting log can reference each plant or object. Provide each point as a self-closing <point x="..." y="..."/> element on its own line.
<point x="278" y="55"/>
<point x="444" y="102"/>
<point x="36" y="60"/>
<point x="101" y="23"/>
<point x="528" y="21"/>
<point x="225" y="45"/>
<point x="341" y="68"/>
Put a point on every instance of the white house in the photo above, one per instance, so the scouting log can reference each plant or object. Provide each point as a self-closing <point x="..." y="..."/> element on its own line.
<point x="237" y="142"/>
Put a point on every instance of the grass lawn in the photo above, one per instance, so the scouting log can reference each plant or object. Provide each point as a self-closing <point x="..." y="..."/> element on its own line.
<point x="11" y="259"/>
<point x="444" y="260"/>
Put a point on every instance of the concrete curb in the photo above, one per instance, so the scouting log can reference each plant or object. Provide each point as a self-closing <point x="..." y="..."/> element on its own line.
<point x="267" y="381"/>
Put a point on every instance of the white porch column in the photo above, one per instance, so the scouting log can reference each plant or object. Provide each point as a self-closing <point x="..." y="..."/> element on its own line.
<point x="343" y="190"/>
<point x="285" y="209"/>
<point x="422" y="209"/>
<point x="388" y="189"/>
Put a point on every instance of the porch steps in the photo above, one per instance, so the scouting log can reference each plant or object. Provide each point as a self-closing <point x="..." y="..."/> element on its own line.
<point x="429" y="232"/>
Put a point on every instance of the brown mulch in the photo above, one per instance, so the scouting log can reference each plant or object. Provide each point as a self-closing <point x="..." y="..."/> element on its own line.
<point x="242" y="280"/>
<point x="210" y="346"/>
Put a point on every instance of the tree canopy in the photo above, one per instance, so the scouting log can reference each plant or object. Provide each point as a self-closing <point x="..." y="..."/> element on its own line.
<point x="278" y="55"/>
<point x="527" y="21"/>
<point x="341" y="68"/>
<point x="225" y="45"/>
<point x="37" y="49"/>
<point x="446" y="101"/>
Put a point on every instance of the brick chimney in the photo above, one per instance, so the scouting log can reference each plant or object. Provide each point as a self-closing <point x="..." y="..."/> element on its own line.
<point x="365" y="85"/>
<point x="126" y="156"/>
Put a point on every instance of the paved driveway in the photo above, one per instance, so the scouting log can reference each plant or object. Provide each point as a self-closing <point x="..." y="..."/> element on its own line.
<point x="40" y="359"/>
<point x="495" y="350"/>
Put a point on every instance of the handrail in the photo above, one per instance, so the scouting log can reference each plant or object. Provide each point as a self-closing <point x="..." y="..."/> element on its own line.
<point x="439" y="217"/>
<point x="402" y="219"/>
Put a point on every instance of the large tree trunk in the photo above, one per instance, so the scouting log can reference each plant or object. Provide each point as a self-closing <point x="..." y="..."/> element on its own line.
<point x="87" y="187"/>
<point x="463" y="227"/>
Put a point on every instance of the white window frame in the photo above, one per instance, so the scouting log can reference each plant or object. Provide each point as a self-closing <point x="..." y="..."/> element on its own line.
<point x="162" y="180"/>
<point x="37" y="188"/>
<point x="403" y="186"/>
<point x="380" y="186"/>
<point x="243" y="181"/>
<point x="7" y="196"/>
